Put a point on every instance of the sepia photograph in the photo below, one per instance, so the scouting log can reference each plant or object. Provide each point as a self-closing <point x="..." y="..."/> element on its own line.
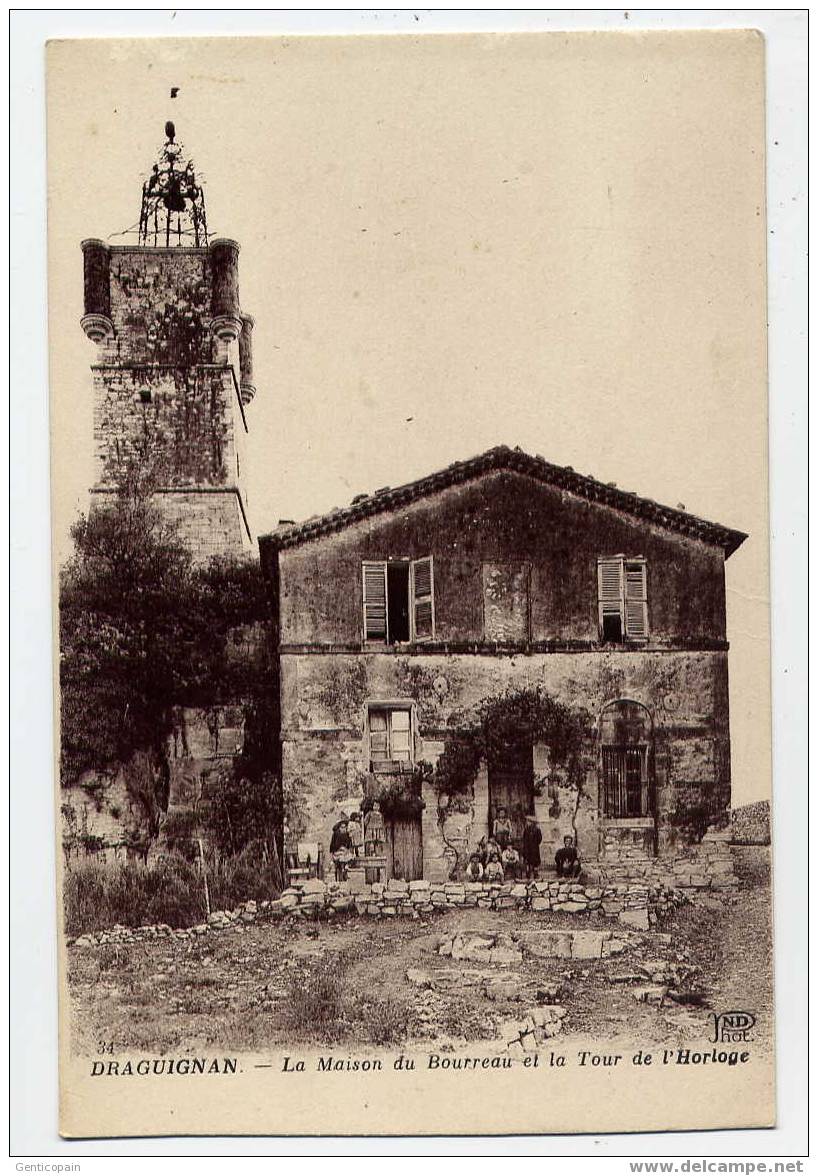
<point x="411" y="561"/>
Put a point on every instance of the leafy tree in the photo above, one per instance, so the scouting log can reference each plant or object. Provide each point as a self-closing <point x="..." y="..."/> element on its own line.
<point x="144" y="631"/>
<point x="125" y="621"/>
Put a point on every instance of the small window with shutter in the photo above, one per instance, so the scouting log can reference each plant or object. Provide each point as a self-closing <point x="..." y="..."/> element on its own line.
<point x="398" y="600"/>
<point x="623" y="599"/>
<point x="390" y="738"/>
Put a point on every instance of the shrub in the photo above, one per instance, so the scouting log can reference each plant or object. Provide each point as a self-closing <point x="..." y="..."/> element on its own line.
<point x="96" y="896"/>
<point x="315" y="1006"/>
<point x="233" y="880"/>
<point x="386" y="1020"/>
<point x="111" y="957"/>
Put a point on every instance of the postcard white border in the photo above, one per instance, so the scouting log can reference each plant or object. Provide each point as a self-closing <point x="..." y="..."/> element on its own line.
<point x="33" y="986"/>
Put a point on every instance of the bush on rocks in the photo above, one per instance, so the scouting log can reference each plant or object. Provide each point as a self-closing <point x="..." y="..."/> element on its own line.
<point x="171" y="892"/>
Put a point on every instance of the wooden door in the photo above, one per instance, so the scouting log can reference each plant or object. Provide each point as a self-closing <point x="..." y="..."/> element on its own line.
<point x="511" y="786"/>
<point x="404" y="848"/>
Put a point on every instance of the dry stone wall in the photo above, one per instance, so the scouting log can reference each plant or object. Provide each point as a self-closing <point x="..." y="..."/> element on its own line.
<point x="634" y="905"/>
<point x="706" y="866"/>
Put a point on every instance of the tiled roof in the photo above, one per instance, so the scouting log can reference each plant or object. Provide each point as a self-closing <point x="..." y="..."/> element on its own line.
<point x="503" y="458"/>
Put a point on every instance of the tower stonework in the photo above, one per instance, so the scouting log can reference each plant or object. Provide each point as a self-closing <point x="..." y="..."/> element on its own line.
<point x="173" y="373"/>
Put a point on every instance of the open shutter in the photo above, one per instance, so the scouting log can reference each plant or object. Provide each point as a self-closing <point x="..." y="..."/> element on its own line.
<point x="611" y="590"/>
<point x="400" y="736"/>
<point x="378" y="738"/>
<point x="636" y="599"/>
<point x="423" y="604"/>
<point x="375" y="621"/>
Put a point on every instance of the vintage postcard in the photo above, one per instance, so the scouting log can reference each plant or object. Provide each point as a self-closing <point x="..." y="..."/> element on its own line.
<point x="408" y="405"/>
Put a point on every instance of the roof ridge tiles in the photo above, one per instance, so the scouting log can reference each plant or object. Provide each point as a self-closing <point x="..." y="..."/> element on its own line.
<point x="499" y="458"/>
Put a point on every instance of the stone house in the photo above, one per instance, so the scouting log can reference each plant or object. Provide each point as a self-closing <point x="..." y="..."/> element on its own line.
<point x="395" y="616"/>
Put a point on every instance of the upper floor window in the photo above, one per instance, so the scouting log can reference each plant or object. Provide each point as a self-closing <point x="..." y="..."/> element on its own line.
<point x="390" y="738"/>
<point x="623" y="599"/>
<point x="398" y="600"/>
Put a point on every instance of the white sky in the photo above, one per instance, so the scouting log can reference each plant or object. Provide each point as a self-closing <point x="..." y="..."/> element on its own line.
<point x="448" y="244"/>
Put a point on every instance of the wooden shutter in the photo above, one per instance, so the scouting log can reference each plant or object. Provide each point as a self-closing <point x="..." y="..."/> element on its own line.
<point x="378" y="738"/>
<point x="400" y="736"/>
<point x="423" y="604"/>
<point x="375" y="617"/>
<point x="636" y="599"/>
<point x="611" y="589"/>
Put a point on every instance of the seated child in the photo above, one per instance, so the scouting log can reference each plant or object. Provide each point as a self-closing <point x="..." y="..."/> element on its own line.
<point x="567" y="860"/>
<point x="492" y="848"/>
<point x="510" y="859"/>
<point x="474" y="869"/>
<point x="494" y="869"/>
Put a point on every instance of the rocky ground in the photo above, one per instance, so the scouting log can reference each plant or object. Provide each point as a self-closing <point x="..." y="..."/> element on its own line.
<point x="444" y="978"/>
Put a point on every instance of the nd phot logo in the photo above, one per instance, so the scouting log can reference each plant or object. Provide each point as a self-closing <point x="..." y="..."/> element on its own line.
<point x="733" y="1026"/>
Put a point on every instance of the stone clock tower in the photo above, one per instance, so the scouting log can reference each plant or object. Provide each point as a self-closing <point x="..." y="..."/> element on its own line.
<point x="173" y="374"/>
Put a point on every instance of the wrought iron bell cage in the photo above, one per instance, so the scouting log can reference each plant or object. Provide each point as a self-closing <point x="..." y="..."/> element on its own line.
<point x="173" y="203"/>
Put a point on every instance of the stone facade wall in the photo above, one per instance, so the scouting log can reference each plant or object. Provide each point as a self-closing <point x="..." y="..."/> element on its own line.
<point x="160" y="303"/>
<point x="324" y="701"/>
<point x="514" y="561"/>
<point x="750" y="823"/>
<point x="179" y="423"/>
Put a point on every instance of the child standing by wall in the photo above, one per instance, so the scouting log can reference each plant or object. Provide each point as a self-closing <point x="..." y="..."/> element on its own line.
<point x="532" y="837"/>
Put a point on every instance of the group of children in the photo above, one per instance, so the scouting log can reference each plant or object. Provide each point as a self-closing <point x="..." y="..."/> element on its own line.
<point x="356" y="836"/>
<point x="497" y="859"/>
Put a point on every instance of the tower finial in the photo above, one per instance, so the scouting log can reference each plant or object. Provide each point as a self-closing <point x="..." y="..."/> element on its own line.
<point x="173" y="204"/>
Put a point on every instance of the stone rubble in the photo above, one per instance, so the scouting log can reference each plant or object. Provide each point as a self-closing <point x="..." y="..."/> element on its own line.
<point x="502" y="949"/>
<point x="535" y="1027"/>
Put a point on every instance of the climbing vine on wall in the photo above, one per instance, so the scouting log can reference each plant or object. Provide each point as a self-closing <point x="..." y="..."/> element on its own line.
<point x="522" y="715"/>
<point x="399" y="796"/>
<point x="519" y="715"/>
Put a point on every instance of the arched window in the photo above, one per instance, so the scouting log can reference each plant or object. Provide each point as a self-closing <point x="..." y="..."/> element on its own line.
<point x="626" y="732"/>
